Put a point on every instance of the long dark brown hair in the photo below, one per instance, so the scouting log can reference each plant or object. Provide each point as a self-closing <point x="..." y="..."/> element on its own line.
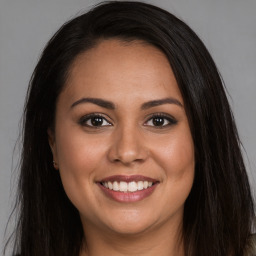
<point x="219" y="210"/>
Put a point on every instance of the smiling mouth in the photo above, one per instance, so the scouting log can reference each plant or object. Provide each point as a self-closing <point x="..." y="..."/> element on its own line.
<point x="124" y="186"/>
<point x="128" y="188"/>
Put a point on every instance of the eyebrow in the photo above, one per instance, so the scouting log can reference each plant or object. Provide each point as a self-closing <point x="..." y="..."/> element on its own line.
<point x="110" y="105"/>
<point x="155" y="103"/>
<point x="96" y="101"/>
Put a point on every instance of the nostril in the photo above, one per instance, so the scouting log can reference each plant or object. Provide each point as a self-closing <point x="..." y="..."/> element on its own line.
<point x="127" y="149"/>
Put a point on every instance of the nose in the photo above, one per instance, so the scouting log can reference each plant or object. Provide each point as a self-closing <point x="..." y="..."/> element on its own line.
<point x="128" y="147"/>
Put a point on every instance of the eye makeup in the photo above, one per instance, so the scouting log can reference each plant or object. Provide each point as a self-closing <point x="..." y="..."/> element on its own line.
<point x="160" y="120"/>
<point x="94" y="120"/>
<point x="99" y="120"/>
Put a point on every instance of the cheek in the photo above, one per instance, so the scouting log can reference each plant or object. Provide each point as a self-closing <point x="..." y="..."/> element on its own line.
<point x="78" y="158"/>
<point x="175" y="154"/>
<point x="176" y="158"/>
<point x="78" y="153"/>
<point x="75" y="157"/>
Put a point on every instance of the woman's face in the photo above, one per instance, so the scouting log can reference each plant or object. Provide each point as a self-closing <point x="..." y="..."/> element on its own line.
<point x="122" y="140"/>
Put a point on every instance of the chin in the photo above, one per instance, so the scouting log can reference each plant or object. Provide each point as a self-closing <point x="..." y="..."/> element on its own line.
<point x="131" y="223"/>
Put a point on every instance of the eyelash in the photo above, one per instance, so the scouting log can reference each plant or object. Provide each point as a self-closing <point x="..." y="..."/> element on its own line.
<point x="171" y="120"/>
<point x="84" y="119"/>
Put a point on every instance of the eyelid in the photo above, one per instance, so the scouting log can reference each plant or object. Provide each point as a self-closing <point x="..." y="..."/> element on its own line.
<point x="169" y="117"/>
<point x="171" y="120"/>
<point x="87" y="117"/>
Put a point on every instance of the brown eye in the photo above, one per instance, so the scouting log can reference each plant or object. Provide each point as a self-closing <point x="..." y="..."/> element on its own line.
<point x="94" y="120"/>
<point x="160" y="121"/>
<point x="97" y="121"/>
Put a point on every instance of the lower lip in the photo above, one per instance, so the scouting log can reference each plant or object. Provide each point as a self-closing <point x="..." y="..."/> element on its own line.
<point x="127" y="197"/>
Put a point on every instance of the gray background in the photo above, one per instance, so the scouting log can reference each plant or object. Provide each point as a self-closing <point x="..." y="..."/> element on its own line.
<point x="227" y="27"/>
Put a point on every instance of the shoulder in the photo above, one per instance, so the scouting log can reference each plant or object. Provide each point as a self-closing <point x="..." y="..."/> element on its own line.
<point x="251" y="248"/>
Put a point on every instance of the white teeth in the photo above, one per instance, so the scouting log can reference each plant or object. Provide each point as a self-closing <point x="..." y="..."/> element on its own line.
<point x="115" y="186"/>
<point x="132" y="186"/>
<point x="140" y="185"/>
<point x="110" y="185"/>
<point x="127" y="186"/>
<point x="123" y="186"/>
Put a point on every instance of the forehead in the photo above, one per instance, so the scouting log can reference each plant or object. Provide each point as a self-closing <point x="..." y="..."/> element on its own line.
<point x="117" y="69"/>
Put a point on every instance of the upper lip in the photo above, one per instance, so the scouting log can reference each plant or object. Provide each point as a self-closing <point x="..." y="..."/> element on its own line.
<point x="127" y="178"/>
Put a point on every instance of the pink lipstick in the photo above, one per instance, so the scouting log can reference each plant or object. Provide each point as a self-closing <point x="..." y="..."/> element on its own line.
<point x="124" y="188"/>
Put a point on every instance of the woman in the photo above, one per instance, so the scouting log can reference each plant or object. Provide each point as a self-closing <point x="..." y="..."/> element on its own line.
<point x="130" y="146"/>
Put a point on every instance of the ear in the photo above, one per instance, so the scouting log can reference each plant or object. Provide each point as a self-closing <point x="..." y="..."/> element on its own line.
<point x="52" y="144"/>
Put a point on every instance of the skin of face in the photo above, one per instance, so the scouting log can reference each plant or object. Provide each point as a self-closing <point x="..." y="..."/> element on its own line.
<point x="128" y="141"/>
